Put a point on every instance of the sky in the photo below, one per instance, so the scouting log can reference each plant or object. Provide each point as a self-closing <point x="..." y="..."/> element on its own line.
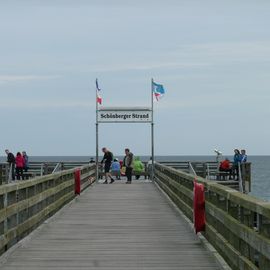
<point x="213" y="58"/>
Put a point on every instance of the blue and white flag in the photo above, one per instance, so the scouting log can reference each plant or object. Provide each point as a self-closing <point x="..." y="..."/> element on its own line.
<point x="97" y="85"/>
<point x="158" y="90"/>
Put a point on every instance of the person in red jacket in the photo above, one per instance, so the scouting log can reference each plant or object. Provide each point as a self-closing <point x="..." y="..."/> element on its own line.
<point x="225" y="166"/>
<point x="19" y="166"/>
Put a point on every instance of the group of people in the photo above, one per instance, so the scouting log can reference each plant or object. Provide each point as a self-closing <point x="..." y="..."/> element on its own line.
<point x="112" y="166"/>
<point x="238" y="158"/>
<point x="17" y="165"/>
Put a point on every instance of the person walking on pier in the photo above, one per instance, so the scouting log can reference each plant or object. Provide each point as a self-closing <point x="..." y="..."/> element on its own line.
<point x="108" y="157"/>
<point x="128" y="163"/>
<point x="11" y="162"/>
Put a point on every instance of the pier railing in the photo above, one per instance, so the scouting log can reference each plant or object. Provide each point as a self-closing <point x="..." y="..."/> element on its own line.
<point x="237" y="225"/>
<point x="210" y="170"/>
<point x="39" y="169"/>
<point x="24" y="205"/>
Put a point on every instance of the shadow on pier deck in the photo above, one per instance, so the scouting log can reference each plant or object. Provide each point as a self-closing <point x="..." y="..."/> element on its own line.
<point x="114" y="226"/>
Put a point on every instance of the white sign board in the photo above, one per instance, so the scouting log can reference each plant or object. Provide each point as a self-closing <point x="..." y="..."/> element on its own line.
<point x="125" y="115"/>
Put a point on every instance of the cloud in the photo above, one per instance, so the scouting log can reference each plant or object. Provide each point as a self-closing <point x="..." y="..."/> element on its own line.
<point x="25" y="78"/>
<point x="229" y="51"/>
<point x="29" y="105"/>
<point x="147" y="66"/>
<point x="186" y="57"/>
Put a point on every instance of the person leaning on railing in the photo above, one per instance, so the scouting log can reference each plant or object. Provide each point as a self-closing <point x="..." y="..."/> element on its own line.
<point x="11" y="162"/>
<point x="237" y="158"/>
<point x="243" y="156"/>
<point x="26" y="161"/>
<point x="19" y="166"/>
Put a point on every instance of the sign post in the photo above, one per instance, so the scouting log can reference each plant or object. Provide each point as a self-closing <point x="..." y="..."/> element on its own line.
<point x="97" y="176"/>
<point x="126" y="115"/>
<point x="152" y="132"/>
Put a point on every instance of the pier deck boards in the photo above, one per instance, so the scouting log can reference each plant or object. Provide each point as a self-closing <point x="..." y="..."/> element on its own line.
<point x="114" y="227"/>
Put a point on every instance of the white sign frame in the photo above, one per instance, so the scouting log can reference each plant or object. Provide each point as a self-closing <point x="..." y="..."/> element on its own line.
<point x="120" y="110"/>
<point x="124" y="115"/>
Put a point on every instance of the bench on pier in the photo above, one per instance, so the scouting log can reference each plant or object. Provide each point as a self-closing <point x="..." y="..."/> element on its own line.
<point x="223" y="175"/>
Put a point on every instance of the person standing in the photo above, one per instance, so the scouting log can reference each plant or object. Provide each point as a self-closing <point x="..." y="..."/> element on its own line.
<point x="11" y="162"/>
<point x="108" y="157"/>
<point x="26" y="161"/>
<point x="243" y="156"/>
<point x="236" y="160"/>
<point x="128" y="163"/>
<point x="149" y="167"/>
<point x="19" y="166"/>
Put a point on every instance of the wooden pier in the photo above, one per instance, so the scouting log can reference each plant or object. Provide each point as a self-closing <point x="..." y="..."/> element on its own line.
<point x="135" y="226"/>
<point x="117" y="227"/>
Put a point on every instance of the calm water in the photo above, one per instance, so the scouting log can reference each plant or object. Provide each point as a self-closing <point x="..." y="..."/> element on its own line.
<point x="260" y="168"/>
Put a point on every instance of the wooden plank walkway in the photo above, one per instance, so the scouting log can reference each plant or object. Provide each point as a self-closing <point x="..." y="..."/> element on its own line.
<point x="116" y="227"/>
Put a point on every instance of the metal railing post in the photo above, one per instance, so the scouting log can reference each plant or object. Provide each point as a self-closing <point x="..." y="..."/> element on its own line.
<point x="240" y="178"/>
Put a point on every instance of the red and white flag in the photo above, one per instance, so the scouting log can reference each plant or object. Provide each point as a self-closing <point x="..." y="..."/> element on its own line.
<point x="99" y="98"/>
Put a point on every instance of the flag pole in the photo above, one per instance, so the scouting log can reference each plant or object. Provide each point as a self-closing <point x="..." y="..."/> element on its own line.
<point x="96" y="135"/>
<point x="152" y="132"/>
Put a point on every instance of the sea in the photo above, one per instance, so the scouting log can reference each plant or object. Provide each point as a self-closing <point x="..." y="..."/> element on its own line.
<point x="260" y="168"/>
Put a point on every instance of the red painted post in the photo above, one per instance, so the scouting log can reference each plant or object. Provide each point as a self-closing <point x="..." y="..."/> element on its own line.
<point x="198" y="207"/>
<point x="77" y="181"/>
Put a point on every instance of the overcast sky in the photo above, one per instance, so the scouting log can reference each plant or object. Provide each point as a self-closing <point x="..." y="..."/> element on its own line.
<point x="213" y="58"/>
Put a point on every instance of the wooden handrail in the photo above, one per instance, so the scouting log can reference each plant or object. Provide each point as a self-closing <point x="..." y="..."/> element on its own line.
<point x="26" y="204"/>
<point x="237" y="225"/>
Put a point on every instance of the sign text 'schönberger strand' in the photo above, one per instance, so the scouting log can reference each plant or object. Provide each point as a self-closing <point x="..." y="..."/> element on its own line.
<point x="124" y="115"/>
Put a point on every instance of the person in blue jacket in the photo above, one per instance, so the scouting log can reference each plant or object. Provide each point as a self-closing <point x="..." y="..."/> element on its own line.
<point x="243" y="156"/>
<point x="116" y="169"/>
<point x="237" y="158"/>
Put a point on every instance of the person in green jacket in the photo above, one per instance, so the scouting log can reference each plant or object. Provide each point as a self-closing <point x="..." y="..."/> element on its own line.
<point x="138" y="167"/>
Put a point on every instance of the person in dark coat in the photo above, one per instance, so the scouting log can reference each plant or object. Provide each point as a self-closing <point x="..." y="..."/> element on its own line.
<point x="26" y="161"/>
<point x="11" y="162"/>
<point x="236" y="161"/>
<point x="108" y="158"/>
<point x="128" y="163"/>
